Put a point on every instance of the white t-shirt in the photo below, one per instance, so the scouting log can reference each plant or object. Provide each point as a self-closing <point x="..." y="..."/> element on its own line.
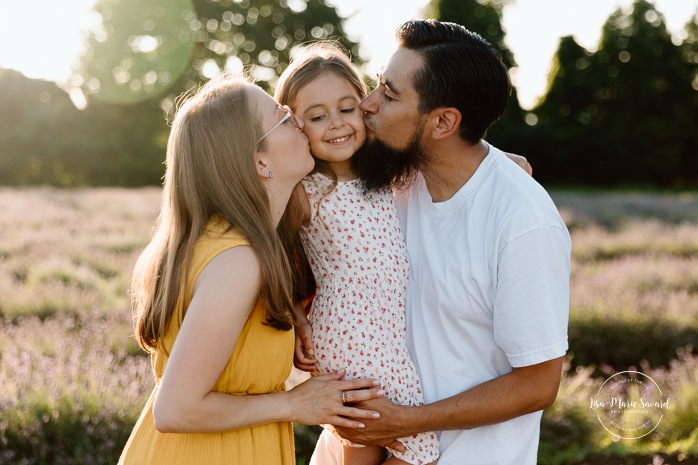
<point x="488" y="291"/>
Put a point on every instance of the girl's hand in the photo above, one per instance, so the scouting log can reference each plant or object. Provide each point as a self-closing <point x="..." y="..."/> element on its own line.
<point x="321" y="400"/>
<point x="304" y="357"/>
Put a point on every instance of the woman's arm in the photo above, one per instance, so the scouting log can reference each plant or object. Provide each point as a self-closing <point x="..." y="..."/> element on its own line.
<point x="224" y="295"/>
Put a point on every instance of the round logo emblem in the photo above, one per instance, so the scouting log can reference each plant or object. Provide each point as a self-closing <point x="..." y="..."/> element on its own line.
<point x="629" y="405"/>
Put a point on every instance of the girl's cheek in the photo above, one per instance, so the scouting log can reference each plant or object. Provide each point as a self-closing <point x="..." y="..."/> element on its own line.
<point x="361" y="134"/>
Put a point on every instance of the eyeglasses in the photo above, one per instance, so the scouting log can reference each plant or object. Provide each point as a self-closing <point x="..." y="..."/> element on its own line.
<point x="288" y="114"/>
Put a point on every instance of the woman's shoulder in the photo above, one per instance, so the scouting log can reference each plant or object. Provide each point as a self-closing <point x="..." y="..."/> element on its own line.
<point x="218" y="236"/>
<point x="220" y="229"/>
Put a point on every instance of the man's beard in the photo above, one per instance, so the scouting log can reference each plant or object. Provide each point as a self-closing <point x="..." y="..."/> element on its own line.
<point x="379" y="166"/>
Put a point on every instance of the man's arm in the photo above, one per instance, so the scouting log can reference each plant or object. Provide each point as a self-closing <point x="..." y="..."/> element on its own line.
<point x="542" y="255"/>
<point x="521" y="391"/>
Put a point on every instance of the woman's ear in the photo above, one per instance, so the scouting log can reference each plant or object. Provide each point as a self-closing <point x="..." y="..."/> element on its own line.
<point x="446" y="122"/>
<point x="263" y="169"/>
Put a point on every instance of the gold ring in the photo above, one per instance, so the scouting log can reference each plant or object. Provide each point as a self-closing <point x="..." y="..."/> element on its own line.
<point x="344" y="397"/>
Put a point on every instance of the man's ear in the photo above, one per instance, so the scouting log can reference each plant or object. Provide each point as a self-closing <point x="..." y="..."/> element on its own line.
<point x="446" y="122"/>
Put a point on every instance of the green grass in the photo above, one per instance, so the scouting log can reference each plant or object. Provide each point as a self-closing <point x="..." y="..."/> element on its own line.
<point x="73" y="381"/>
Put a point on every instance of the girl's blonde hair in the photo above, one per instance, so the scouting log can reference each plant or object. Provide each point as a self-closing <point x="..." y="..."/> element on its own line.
<point x="210" y="173"/>
<point x="312" y="61"/>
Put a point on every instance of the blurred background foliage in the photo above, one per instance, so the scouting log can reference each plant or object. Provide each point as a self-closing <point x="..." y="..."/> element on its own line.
<point x="622" y="116"/>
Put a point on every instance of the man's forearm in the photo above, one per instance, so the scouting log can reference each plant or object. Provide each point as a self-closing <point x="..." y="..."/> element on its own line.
<point x="523" y="390"/>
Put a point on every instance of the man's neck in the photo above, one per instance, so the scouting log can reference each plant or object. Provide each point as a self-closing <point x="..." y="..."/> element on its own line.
<point x="451" y="164"/>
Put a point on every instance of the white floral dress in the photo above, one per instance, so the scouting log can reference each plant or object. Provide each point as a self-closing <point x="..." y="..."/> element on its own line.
<point x="358" y="257"/>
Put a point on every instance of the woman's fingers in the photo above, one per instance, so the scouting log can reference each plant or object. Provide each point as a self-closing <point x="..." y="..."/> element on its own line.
<point x="362" y="395"/>
<point x="355" y="412"/>
<point x="331" y="399"/>
<point x="345" y="422"/>
<point x="357" y="383"/>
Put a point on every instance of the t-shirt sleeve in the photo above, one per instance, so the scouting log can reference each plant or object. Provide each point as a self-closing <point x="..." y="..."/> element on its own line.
<point x="531" y="311"/>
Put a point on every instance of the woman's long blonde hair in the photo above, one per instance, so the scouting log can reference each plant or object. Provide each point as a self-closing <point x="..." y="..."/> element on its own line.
<point x="210" y="173"/>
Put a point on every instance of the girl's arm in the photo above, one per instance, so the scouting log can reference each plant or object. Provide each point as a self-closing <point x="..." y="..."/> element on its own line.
<point x="224" y="295"/>
<point x="304" y="356"/>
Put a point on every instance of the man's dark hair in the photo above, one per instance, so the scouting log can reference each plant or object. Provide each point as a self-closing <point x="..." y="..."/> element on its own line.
<point x="461" y="70"/>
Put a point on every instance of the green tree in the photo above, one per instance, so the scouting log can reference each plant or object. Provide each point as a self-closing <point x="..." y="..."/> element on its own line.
<point x="146" y="49"/>
<point x="39" y="130"/>
<point x="44" y="139"/>
<point x="689" y="48"/>
<point x="689" y="53"/>
<point x="642" y="97"/>
<point x="564" y="117"/>
<point x="484" y="18"/>
<point x="623" y="115"/>
<point x="147" y="52"/>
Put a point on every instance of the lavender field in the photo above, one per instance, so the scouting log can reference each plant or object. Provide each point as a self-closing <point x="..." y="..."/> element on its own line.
<point x="73" y="381"/>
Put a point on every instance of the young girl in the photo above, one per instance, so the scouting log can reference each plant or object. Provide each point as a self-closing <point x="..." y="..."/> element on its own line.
<point x="353" y="244"/>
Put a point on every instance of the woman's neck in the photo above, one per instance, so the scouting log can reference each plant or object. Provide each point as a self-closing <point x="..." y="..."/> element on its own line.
<point x="278" y="200"/>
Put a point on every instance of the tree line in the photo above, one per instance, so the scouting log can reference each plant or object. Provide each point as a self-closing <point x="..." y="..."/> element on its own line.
<point x="623" y="115"/>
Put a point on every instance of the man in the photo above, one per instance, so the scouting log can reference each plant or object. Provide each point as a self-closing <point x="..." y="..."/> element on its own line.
<point x="488" y="296"/>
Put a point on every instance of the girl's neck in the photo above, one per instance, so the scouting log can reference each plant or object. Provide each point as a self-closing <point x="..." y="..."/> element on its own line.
<point x="341" y="169"/>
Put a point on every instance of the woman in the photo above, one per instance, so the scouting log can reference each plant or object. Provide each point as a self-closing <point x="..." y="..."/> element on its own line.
<point x="212" y="292"/>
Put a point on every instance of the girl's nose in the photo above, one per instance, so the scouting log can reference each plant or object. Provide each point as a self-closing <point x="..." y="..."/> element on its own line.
<point x="336" y="122"/>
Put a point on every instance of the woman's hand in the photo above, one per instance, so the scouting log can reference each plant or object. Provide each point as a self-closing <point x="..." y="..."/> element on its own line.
<point x="328" y="399"/>
<point x="521" y="161"/>
<point x="303" y="356"/>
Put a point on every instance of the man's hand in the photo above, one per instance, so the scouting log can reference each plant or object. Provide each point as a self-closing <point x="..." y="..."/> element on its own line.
<point x="382" y="431"/>
<point x="519" y="392"/>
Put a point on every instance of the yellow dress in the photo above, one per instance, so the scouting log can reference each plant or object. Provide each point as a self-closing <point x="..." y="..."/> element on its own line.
<point x="260" y="363"/>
